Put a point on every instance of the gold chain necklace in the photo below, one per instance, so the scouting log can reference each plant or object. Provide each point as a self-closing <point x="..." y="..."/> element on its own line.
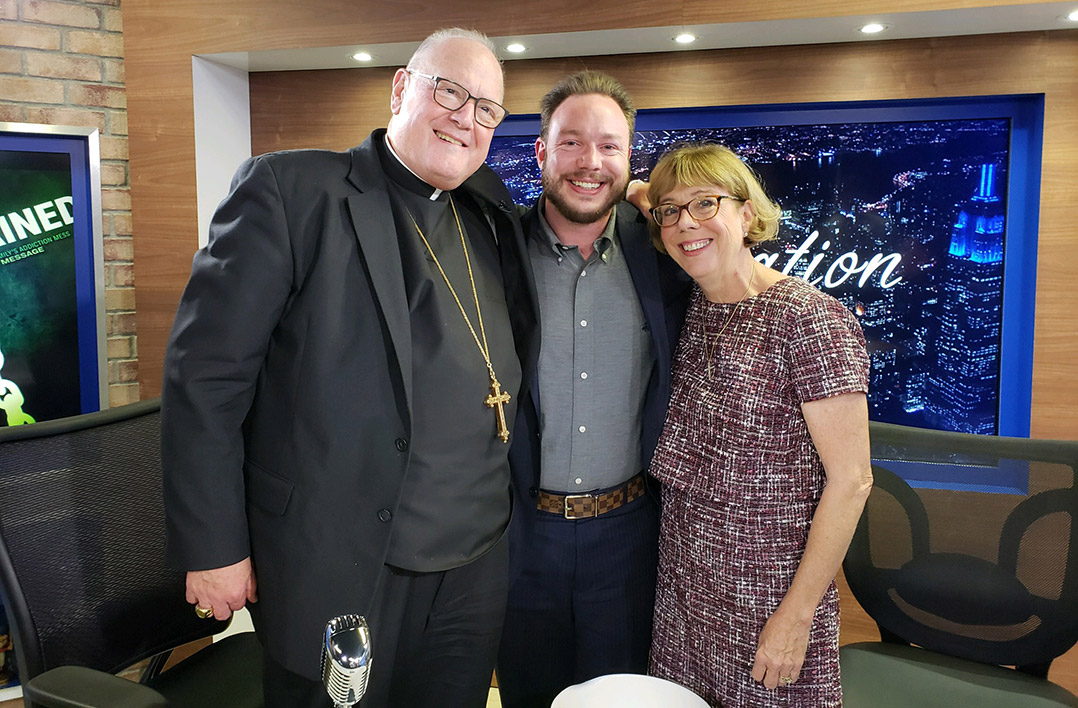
<point x="497" y="398"/>
<point x="710" y="351"/>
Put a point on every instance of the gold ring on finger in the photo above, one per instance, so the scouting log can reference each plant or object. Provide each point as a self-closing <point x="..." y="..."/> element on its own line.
<point x="204" y="612"/>
<point x="786" y="680"/>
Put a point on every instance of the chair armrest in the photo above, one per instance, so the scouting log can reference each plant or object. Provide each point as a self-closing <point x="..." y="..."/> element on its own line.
<point x="80" y="687"/>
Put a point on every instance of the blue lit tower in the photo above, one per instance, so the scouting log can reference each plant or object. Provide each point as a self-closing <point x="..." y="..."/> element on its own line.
<point x="963" y="388"/>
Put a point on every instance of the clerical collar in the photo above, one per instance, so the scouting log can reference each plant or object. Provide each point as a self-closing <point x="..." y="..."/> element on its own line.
<point x="416" y="185"/>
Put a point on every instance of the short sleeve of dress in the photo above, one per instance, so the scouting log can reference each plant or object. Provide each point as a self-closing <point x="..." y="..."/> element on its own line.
<point x="826" y="350"/>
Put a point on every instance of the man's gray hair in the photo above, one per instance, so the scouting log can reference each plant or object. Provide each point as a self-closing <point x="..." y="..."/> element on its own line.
<point x="441" y="35"/>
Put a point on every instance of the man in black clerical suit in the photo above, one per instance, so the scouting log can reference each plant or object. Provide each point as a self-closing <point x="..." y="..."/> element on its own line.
<point x="583" y="542"/>
<point x="334" y="394"/>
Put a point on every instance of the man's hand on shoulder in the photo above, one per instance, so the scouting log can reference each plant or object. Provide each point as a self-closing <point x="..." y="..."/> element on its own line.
<point x="225" y="590"/>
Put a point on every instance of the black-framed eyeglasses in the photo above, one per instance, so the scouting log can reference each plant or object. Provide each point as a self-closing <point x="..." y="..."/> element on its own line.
<point x="451" y="95"/>
<point x="701" y="208"/>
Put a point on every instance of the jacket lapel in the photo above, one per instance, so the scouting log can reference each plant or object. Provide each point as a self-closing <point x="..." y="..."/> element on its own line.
<point x="487" y="188"/>
<point x="376" y="234"/>
<point x="644" y="270"/>
<point x="530" y="225"/>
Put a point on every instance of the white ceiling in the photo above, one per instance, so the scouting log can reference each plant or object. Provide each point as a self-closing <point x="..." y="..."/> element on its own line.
<point x="900" y="25"/>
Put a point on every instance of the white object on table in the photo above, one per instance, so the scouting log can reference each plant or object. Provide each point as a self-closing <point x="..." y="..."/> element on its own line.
<point x="628" y="691"/>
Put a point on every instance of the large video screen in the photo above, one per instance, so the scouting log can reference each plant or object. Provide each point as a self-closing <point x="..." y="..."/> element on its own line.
<point x="920" y="216"/>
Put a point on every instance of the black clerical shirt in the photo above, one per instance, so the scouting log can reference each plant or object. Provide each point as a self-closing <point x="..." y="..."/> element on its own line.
<point x="455" y="502"/>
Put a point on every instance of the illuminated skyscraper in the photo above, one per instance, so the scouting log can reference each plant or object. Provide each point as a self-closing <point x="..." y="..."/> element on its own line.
<point x="962" y="393"/>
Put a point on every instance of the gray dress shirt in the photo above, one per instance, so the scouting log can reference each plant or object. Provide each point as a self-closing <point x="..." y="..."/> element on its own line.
<point x="594" y="364"/>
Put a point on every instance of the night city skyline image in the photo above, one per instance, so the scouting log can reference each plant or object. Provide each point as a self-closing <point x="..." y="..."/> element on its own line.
<point x="903" y="222"/>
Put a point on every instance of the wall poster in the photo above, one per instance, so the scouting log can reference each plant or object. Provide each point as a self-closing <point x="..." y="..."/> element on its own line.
<point x="52" y="321"/>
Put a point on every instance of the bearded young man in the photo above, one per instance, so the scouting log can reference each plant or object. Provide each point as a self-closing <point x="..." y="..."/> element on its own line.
<point x="335" y="394"/>
<point x="583" y="541"/>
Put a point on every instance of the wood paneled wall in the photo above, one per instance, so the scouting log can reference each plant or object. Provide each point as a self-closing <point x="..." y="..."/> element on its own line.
<point x="336" y="109"/>
<point x="161" y="37"/>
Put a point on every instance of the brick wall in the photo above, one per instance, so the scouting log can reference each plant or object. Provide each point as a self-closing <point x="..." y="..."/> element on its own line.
<point x="61" y="63"/>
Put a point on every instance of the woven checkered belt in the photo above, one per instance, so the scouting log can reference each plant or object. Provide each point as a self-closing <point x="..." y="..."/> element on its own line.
<point x="586" y="506"/>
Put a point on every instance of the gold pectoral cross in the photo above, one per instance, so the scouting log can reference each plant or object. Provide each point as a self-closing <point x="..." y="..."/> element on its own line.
<point x="498" y="398"/>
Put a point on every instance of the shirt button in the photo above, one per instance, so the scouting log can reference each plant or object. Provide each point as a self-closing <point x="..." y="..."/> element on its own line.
<point x="384" y="515"/>
<point x="578" y="480"/>
<point x="401" y="444"/>
<point x="583" y="273"/>
<point x="582" y="429"/>
<point x="583" y="374"/>
<point x="583" y="323"/>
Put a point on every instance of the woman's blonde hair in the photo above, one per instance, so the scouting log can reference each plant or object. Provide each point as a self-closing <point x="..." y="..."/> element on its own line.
<point x="701" y="164"/>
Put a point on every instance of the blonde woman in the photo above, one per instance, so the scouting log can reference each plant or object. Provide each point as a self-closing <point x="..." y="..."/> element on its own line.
<point x="764" y="456"/>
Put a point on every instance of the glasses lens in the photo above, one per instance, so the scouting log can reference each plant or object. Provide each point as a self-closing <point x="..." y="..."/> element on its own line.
<point x="703" y="208"/>
<point x="453" y="96"/>
<point x="667" y="214"/>
<point x="488" y="113"/>
<point x="450" y="95"/>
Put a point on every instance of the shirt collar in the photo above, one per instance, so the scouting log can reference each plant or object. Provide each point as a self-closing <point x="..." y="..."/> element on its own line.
<point x="604" y="244"/>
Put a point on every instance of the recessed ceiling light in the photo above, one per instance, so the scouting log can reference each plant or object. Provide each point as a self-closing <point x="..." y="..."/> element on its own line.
<point x="1073" y="17"/>
<point x="873" y="28"/>
<point x="685" y="38"/>
<point x="516" y="48"/>
<point x="362" y="56"/>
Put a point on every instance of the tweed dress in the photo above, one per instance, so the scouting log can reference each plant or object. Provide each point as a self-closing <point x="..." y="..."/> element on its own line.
<point x="741" y="481"/>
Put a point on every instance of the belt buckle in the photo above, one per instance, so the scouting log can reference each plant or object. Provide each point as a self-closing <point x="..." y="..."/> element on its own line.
<point x="568" y="502"/>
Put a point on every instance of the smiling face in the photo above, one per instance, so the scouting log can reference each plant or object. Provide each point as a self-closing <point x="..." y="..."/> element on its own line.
<point x="444" y="147"/>
<point x="707" y="250"/>
<point x="585" y="157"/>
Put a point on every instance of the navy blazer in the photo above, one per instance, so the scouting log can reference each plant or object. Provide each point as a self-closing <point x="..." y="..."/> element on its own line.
<point x="287" y="397"/>
<point x="663" y="289"/>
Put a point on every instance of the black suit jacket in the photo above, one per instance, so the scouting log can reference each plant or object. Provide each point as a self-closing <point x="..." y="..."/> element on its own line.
<point x="663" y="289"/>
<point x="287" y="385"/>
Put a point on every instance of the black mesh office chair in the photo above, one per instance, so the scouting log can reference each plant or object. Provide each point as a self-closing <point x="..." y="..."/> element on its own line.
<point x="976" y="563"/>
<point x="84" y="577"/>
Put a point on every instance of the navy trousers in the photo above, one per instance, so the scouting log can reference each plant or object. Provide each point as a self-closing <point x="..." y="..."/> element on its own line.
<point x="582" y="606"/>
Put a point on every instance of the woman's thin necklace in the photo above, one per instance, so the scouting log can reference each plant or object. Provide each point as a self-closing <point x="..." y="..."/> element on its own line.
<point x="710" y="351"/>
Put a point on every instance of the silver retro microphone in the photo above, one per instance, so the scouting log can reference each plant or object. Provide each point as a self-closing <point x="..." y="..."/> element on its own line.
<point x="346" y="659"/>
